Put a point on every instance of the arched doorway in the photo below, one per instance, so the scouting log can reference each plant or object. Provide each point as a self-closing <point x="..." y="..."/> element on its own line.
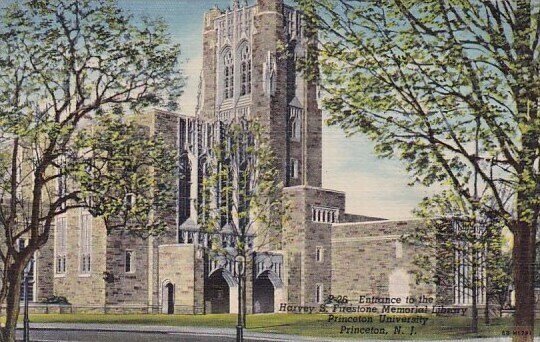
<point x="168" y="292"/>
<point x="216" y="295"/>
<point x="263" y="294"/>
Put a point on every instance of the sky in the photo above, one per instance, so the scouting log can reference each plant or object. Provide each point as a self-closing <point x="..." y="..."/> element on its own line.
<point x="374" y="187"/>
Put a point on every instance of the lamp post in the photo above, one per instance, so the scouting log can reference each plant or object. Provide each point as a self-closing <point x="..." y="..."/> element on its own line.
<point x="240" y="269"/>
<point x="26" y="322"/>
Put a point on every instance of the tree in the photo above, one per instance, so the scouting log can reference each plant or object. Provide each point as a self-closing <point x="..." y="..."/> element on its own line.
<point x="424" y="80"/>
<point x="462" y="255"/>
<point x="65" y="65"/>
<point x="243" y="206"/>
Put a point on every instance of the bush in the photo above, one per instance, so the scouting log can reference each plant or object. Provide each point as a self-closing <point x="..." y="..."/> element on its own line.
<point x="55" y="300"/>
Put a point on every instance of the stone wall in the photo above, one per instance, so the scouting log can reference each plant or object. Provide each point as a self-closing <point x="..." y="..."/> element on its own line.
<point x="44" y="269"/>
<point x="301" y="238"/>
<point x="368" y="259"/>
<point x="84" y="290"/>
<point x="127" y="288"/>
<point x="182" y="266"/>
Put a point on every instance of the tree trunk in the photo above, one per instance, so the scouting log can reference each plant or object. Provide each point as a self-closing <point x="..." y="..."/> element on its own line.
<point x="474" y="321"/>
<point x="244" y="299"/>
<point x="13" y="303"/>
<point x="524" y="258"/>
<point x="487" y="292"/>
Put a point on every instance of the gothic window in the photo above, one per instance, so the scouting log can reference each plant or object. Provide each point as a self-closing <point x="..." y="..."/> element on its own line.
<point x="85" y="244"/>
<point x="228" y="64"/>
<point x="60" y="237"/>
<point x="245" y="67"/>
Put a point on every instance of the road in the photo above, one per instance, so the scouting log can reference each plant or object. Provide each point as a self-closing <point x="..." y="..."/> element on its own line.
<point x="122" y="336"/>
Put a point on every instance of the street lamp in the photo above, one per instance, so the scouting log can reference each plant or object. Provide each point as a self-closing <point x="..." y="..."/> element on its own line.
<point x="26" y="321"/>
<point x="240" y="269"/>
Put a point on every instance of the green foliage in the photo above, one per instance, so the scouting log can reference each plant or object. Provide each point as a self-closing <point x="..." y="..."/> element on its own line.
<point x="56" y="300"/>
<point x="427" y="80"/>
<point x="242" y="188"/>
<point x="452" y="88"/>
<point x="120" y="171"/>
<point x="68" y="70"/>
<point x="468" y="245"/>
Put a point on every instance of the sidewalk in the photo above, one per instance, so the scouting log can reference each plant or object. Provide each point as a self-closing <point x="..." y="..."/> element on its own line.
<point x="207" y="331"/>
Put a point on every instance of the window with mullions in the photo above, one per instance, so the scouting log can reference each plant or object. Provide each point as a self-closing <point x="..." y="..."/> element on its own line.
<point x="228" y="64"/>
<point x="85" y="244"/>
<point x="60" y="237"/>
<point x="245" y="68"/>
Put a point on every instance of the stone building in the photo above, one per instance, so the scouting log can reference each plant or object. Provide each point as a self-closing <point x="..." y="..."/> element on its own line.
<point x="249" y="69"/>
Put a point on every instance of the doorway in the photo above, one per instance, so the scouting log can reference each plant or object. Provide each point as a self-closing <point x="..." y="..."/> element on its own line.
<point x="169" y="290"/>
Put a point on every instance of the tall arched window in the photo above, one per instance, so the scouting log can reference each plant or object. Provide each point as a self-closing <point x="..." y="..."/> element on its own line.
<point x="228" y="63"/>
<point x="184" y="188"/>
<point x="245" y="68"/>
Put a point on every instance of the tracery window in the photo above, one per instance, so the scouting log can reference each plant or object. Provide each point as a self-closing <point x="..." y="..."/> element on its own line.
<point x="228" y="63"/>
<point x="245" y="67"/>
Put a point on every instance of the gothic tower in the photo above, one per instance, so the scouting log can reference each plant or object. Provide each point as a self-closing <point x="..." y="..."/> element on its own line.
<point x="249" y="59"/>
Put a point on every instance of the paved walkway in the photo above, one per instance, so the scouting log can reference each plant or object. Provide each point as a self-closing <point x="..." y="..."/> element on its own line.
<point x="206" y="331"/>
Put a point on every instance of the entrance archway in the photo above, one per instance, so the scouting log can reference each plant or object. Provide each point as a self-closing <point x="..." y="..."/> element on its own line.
<point x="169" y="297"/>
<point x="217" y="294"/>
<point x="263" y="294"/>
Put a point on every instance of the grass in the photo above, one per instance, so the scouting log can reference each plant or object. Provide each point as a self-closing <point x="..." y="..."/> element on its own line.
<point x="300" y="324"/>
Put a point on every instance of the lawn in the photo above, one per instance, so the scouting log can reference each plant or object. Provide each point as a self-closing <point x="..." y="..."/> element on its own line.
<point x="301" y="324"/>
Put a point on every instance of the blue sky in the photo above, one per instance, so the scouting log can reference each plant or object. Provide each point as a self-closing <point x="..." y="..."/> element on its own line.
<point x="374" y="187"/>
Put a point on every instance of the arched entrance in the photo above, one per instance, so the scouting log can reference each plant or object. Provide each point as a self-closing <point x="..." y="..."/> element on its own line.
<point x="217" y="294"/>
<point x="168" y="294"/>
<point x="263" y="293"/>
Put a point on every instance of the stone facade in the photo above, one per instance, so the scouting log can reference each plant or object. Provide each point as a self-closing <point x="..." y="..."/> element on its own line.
<point x="324" y="250"/>
<point x="369" y="259"/>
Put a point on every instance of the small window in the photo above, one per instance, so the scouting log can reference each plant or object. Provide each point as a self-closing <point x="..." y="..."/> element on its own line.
<point x="21" y="244"/>
<point x="295" y="124"/>
<point x="130" y="267"/>
<point x="130" y="201"/>
<point x="319" y="293"/>
<point x="319" y="254"/>
<point x="294" y="168"/>
<point x="399" y="250"/>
